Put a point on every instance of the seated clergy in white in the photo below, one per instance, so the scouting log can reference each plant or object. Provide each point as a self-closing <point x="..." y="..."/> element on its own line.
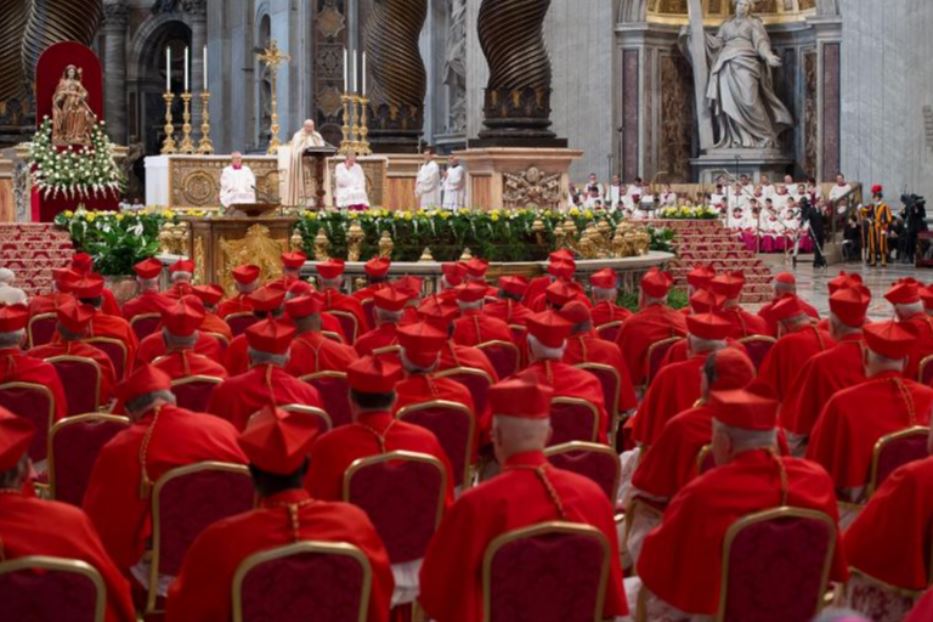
<point x="428" y="182"/>
<point x="351" y="185"/>
<point x="237" y="182"/>
<point x="454" y="185"/>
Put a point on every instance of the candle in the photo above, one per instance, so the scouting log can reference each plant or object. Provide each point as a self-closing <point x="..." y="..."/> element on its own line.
<point x="168" y="69"/>
<point x="363" y="90"/>
<point x="205" y="68"/>
<point x="356" y="68"/>
<point x="186" y="69"/>
<point x="346" y="70"/>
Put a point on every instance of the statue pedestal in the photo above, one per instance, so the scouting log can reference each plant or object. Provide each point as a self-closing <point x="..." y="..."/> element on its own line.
<point x="514" y="178"/>
<point x="736" y="162"/>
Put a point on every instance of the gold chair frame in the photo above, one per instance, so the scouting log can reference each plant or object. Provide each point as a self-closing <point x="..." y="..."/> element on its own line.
<point x="596" y="448"/>
<point x="333" y="336"/>
<point x="613" y="324"/>
<point x="668" y="342"/>
<point x="61" y="564"/>
<point x="313" y="411"/>
<point x="44" y="390"/>
<point x="314" y="547"/>
<point x="402" y="456"/>
<point x="762" y="338"/>
<point x="326" y="373"/>
<point x="613" y="408"/>
<point x="356" y="324"/>
<point x="69" y="358"/>
<point x="68" y="422"/>
<point x="143" y="316"/>
<point x="927" y="360"/>
<point x="543" y="529"/>
<point x="880" y="444"/>
<point x="783" y="511"/>
<point x="466" y="371"/>
<point x="393" y="349"/>
<point x="508" y="345"/>
<point x="704" y="452"/>
<point x="577" y="401"/>
<point x="237" y="315"/>
<point x="413" y="408"/>
<point x="219" y="337"/>
<point x="40" y="316"/>
<point x="116" y="342"/>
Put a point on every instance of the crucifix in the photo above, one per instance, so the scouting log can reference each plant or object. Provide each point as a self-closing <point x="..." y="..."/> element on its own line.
<point x="272" y="57"/>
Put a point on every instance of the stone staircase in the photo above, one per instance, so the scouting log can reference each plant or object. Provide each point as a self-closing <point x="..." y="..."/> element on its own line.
<point x="31" y="250"/>
<point x="709" y="242"/>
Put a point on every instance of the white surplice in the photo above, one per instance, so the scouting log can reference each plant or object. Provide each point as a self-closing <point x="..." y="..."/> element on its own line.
<point x="351" y="186"/>
<point x="454" y="188"/>
<point x="428" y="185"/>
<point x="237" y="186"/>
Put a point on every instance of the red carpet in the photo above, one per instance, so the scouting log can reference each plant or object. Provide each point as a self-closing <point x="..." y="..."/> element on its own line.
<point x="31" y="250"/>
<point x="709" y="242"/>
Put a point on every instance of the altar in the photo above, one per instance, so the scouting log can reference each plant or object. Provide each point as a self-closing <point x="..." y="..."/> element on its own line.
<point x="193" y="181"/>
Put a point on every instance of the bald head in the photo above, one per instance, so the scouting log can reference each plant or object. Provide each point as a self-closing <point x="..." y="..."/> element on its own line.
<point x="308" y="126"/>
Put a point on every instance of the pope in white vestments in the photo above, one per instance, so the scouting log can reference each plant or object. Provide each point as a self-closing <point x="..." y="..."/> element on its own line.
<point x="295" y="185"/>
<point x="428" y="182"/>
<point x="350" y="192"/>
<point x="237" y="182"/>
<point x="454" y="185"/>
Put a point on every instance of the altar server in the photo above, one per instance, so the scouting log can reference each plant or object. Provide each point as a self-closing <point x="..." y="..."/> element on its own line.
<point x="237" y="182"/>
<point x="351" y="185"/>
<point x="428" y="182"/>
<point x="454" y="185"/>
<point x="31" y="526"/>
<point x="277" y="444"/>
<point x="527" y="492"/>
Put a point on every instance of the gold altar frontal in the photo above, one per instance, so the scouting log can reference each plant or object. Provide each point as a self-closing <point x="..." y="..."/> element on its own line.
<point x="219" y="244"/>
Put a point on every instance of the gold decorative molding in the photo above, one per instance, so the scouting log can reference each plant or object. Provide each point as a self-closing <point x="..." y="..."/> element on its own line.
<point x="200" y="260"/>
<point x="531" y="188"/>
<point x="194" y="181"/>
<point x="256" y="247"/>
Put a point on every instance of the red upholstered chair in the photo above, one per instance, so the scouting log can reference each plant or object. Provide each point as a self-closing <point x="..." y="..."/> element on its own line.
<point x="351" y="327"/>
<point x="609" y="331"/>
<point x="36" y="403"/>
<point x="51" y="589"/>
<point x="705" y="459"/>
<point x="80" y="378"/>
<point x="876" y="599"/>
<point x="185" y="501"/>
<point x="453" y="424"/>
<point x="757" y="347"/>
<point x="41" y="329"/>
<point x="476" y="380"/>
<point x="505" y="357"/>
<point x="894" y="451"/>
<point x="573" y="419"/>
<point x="520" y="338"/>
<point x="145" y="324"/>
<point x="611" y="382"/>
<point x="335" y="393"/>
<point x="549" y="572"/>
<point x="776" y="565"/>
<point x="369" y="308"/>
<point x="115" y="349"/>
<point x="598" y="462"/>
<point x="656" y="352"/>
<point x="306" y="580"/>
<point x="239" y="322"/>
<point x="194" y="392"/>
<point x="221" y="340"/>
<point x="403" y="494"/>
<point x="74" y="443"/>
<point x="925" y="371"/>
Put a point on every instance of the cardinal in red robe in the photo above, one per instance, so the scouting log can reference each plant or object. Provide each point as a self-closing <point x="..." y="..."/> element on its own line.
<point x="180" y="273"/>
<point x="474" y="327"/>
<point x="604" y="286"/>
<point x="246" y="281"/>
<point x="331" y="273"/>
<point x="149" y="299"/>
<point x="785" y="285"/>
<point x="63" y="278"/>
<point x="904" y="295"/>
<point x="312" y="352"/>
<point x="292" y="263"/>
<point x="89" y="290"/>
<point x="509" y="307"/>
<point x="377" y="277"/>
<point x="181" y="327"/>
<point x="389" y="305"/>
<point x="267" y="302"/>
<point x="82" y="265"/>
<point x="744" y="324"/>
<point x="210" y="296"/>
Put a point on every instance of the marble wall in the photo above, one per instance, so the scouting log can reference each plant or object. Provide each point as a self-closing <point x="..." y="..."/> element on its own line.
<point x="887" y="80"/>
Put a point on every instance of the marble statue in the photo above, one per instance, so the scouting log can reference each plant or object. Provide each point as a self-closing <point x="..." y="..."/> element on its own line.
<point x="455" y="67"/>
<point x="72" y="118"/>
<point x="739" y="91"/>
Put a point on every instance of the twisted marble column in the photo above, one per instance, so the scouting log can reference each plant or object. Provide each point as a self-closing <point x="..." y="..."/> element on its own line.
<point x="115" y="70"/>
<point x="398" y="81"/>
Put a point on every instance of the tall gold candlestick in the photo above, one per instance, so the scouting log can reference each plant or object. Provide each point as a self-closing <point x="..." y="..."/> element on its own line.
<point x="355" y="131"/>
<point x="186" y="146"/>
<point x="205" y="146"/>
<point x="168" y="145"/>
<point x="345" y="143"/>
<point x="364" y="127"/>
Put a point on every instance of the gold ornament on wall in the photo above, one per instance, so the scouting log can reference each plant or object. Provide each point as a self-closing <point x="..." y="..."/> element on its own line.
<point x="531" y="188"/>
<point x="296" y="242"/>
<point x="355" y="238"/>
<point x="256" y="247"/>
<point x="386" y="245"/>
<point x="321" y="246"/>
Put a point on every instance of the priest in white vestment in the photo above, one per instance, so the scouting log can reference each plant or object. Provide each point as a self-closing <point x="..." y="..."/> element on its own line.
<point x="454" y="185"/>
<point x="428" y="182"/>
<point x="350" y="192"/>
<point x="237" y="182"/>
<point x="295" y="182"/>
<point x="615" y="193"/>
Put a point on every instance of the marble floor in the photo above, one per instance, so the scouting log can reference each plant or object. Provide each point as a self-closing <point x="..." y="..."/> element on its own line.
<point x="811" y="284"/>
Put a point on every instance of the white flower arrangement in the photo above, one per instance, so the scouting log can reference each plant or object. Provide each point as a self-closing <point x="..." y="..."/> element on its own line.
<point x="75" y="173"/>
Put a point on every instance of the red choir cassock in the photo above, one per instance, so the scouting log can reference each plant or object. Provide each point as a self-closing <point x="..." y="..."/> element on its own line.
<point x="239" y="397"/>
<point x="246" y="276"/>
<point x="161" y="439"/>
<point x="266" y="302"/>
<point x="184" y="363"/>
<point x="292" y="262"/>
<point x="558" y="294"/>
<point x="744" y="324"/>
<point x="377" y="274"/>
<point x="527" y="492"/>
<point x="103" y="324"/>
<point x="334" y="300"/>
<point x="82" y="265"/>
<point x="685" y="570"/>
<point x="508" y="310"/>
<point x="150" y="300"/>
<point x="210" y="296"/>
<point x="311" y="351"/>
<point x="184" y="318"/>
<point x="855" y="418"/>
<point x="49" y="303"/>
<point x="391" y="300"/>
<point x="906" y="291"/>
<point x="153" y="346"/>
<point x="276" y="443"/>
<point x="473" y="327"/>
<point x="15" y="366"/>
<point x="182" y="287"/>
<point x="606" y="311"/>
<point x="765" y="312"/>
<point x="890" y="540"/>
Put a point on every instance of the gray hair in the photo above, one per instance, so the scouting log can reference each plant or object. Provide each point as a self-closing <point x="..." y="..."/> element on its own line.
<point x="258" y="357"/>
<point x="180" y="275"/>
<point x="698" y="345"/>
<point x="147" y="284"/>
<point x="841" y="328"/>
<point x="880" y="362"/>
<point x="907" y="310"/>
<point x="520" y="434"/>
<point x="12" y="339"/>
<point x="245" y="288"/>
<point x="540" y="351"/>
<point x="601" y="293"/>
<point x="470" y="306"/>
<point x="651" y="300"/>
<point x="142" y="403"/>
<point x="173" y="341"/>
<point x="746" y="440"/>
<point x="386" y="316"/>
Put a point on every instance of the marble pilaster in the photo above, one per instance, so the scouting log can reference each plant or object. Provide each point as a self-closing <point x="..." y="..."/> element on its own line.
<point x="198" y="11"/>
<point x="115" y="104"/>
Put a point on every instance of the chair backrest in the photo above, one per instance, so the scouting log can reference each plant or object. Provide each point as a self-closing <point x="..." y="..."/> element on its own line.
<point x="705" y="459"/>
<point x="573" y="419"/>
<point x="51" y="589"/>
<point x="593" y="460"/>
<point x="475" y="380"/>
<point x="388" y="350"/>
<point x="894" y="451"/>
<point x="332" y="336"/>
<point x="776" y="565"/>
<point x="115" y="350"/>
<point x="185" y="501"/>
<point x="74" y="443"/>
<point x="351" y="328"/>
<point x="221" y="340"/>
<point x="757" y="347"/>
<point x="656" y="352"/>
<point x="307" y="580"/>
<point x="519" y="333"/>
<point x="403" y="494"/>
<point x="572" y="555"/>
<point x="505" y="357"/>
<point x="145" y="324"/>
<point x="324" y="421"/>
<point x="239" y="322"/>
<point x="36" y="403"/>
<point x="80" y="377"/>
<point x="925" y="371"/>
<point x="608" y="377"/>
<point x="453" y="424"/>
<point x="41" y="329"/>
<point x="334" y="390"/>
<point x="194" y="392"/>
<point x="369" y="309"/>
<point x="609" y="331"/>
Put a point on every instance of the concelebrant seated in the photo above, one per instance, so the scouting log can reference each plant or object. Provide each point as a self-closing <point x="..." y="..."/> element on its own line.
<point x="351" y="185"/>
<point x="237" y="182"/>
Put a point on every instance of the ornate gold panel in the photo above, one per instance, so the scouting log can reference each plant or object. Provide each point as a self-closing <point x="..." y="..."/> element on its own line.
<point x="195" y="180"/>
